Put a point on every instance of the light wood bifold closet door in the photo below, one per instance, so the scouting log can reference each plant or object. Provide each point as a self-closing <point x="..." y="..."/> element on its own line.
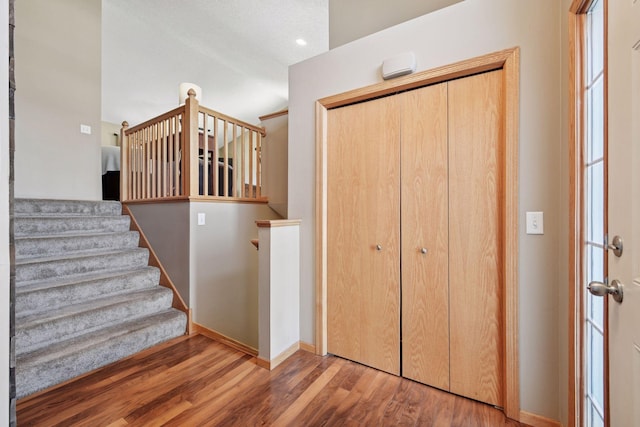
<point x="476" y="254"/>
<point x="415" y="253"/>
<point x="363" y="233"/>
<point x="425" y="280"/>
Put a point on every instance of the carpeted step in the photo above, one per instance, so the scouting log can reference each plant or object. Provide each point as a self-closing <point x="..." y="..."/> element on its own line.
<point x="68" y="359"/>
<point x="31" y="226"/>
<point x="33" y="269"/>
<point x="39" y="330"/>
<point x="42" y="296"/>
<point x="85" y="293"/>
<point x="33" y="247"/>
<point x="44" y="207"/>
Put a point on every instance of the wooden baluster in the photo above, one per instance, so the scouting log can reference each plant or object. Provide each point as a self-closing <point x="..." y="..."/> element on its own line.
<point x="136" y="164"/>
<point x="165" y="160"/>
<point x="176" y="156"/>
<point x="140" y="162"/>
<point x="242" y="165"/>
<point x="147" y="157"/>
<point x="225" y="168"/>
<point x="153" y="132"/>
<point x="141" y="168"/>
<point x="170" y="154"/>
<point x="258" y="165"/>
<point x="125" y="166"/>
<point x="214" y="156"/>
<point x="205" y="155"/>
<point x="251" y="167"/>
<point x="184" y="177"/>
<point x="235" y="161"/>
<point x="190" y="145"/>
<point x="157" y="165"/>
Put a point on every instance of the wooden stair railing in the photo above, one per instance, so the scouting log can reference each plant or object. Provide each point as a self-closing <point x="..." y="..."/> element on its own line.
<point x="191" y="152"/>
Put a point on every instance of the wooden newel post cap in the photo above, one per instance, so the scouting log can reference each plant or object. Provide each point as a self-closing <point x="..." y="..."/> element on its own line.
<point x="125" y="124"/>
<point x="191" y="93"/>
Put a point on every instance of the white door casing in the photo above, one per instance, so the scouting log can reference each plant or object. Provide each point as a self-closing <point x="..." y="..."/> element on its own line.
<point x="624" y="209"/>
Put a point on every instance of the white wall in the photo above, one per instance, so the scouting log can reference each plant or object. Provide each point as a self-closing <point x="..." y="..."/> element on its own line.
<point x="166" y="226"/>
<point x="58" y="78"/>
<point x="275" y="162"/>
<point x="224" y="268"/>
<point x="4" y="212"/>
<point x="462" y="31"/>
<point x="350" y="20"/>
<point x="278" y="289"/>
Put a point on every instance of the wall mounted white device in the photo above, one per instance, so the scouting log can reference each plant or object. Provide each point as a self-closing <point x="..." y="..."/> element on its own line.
<point x="399" y="65"/>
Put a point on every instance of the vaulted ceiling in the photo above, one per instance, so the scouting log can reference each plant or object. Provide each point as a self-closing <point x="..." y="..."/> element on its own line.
<point x="238" y="52"/>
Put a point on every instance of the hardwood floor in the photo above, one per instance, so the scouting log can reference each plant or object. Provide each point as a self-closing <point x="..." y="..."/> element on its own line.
<point x="195" y="381"/>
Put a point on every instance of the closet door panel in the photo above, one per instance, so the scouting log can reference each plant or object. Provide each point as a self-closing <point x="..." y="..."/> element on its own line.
<point x="425" y="250"/>
<point x="363" y="233"/>
<point x="476" y="157"/>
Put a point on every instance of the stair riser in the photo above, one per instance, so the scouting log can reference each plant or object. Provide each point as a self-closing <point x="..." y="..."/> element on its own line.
<point x="33" y="226"/>
<point x="127" y="260"/>
<point x="39" y="336"/>
<point x="63" y="207"/>
<point x="32" y="377"/>
<point x="28" y="303"/>
<point x="54" y="246"/>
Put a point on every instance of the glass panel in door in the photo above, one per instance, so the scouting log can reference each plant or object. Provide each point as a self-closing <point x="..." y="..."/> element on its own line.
<point x="594" y="256"/>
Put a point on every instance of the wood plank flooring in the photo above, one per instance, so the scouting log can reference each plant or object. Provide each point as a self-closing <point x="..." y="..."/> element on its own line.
<point x="195" y="381"/>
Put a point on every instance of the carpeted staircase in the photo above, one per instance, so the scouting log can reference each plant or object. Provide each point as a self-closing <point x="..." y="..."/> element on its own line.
<point x="85" y="295"/>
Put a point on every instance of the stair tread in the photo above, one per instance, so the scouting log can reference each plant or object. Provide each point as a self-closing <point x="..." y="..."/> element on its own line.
<point x="78" y="256"/>
<point x="63" y="215"/>
<point x="60" y="313"/>
<point x="45" y="246"/>
<point x="83" y="342"/>
<point x="34" y="226"/>
<point x="79" y="234"/>
<point x="45" y="207"/>
<point x="38" y="285"/>
<point x="45" y="367"/>
<point x="45" y="216"/>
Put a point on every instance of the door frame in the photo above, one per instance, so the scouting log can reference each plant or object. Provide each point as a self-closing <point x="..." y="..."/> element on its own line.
<point x="509" y="61"/>
<point x="577" y="17"/>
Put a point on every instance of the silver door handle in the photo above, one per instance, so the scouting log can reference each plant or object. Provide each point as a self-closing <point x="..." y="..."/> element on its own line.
<point x="616" y="246"/>
<point x="600" y="289"/>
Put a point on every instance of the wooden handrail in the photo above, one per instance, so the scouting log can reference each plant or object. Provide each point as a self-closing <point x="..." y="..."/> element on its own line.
<point x="194" y="152"/>
<point x="261" y="130"/>
<point x="156" y="119"/>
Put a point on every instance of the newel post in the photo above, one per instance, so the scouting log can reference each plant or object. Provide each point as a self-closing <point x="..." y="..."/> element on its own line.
<point x="125" y="166"/>
<point x="190" y="163"/>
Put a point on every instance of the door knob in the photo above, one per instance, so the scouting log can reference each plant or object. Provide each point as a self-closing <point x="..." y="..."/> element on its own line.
<point x="616" y="246"/>
<point x="378" y="248"/>
<point x="601" y="289"/>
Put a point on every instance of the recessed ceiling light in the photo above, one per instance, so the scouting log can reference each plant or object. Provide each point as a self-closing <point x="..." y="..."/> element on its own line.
<point x="301" y="42"/>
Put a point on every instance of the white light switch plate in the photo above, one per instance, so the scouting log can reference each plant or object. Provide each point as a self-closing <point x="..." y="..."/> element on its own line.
<point x="86" y="129"/>
<point x="535" y="223"/>
<point x="201" y="218"/>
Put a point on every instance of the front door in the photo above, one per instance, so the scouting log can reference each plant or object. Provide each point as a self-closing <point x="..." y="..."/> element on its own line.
<point x="624" y="209"/>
